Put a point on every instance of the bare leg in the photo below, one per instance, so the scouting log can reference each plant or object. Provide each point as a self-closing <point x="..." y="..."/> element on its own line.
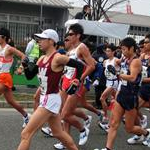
<point x="68" y="110"/>
<point x="60" y="134"/>
<point x="9" y="98"/>
<point x="39" y="117"/>
<point x="130" y="117"/>
<point x="117" y="114"/>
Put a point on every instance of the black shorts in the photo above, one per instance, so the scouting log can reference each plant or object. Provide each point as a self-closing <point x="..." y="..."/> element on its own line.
<point x="144" y="93"/>
<point x="127" y="99"/>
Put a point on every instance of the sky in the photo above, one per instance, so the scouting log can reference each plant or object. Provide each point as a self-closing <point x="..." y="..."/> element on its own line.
<point x="138" y="6"/>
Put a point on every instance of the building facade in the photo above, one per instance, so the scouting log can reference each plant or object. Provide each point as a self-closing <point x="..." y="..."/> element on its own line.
<point x="25" y="17"/>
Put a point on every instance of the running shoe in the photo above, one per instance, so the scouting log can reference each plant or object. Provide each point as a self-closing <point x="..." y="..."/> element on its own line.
<point x="59" y="146"/>
<point x="87" y="122"/>
<point x="84" y="136"/>
<point x="143" y="122"/>
<point x="47" y="131"/>
<point x="26" y="120"/>
<point x="135" y="139"/>
<point x="147" y="140"/>
<point x="104" y="126"/>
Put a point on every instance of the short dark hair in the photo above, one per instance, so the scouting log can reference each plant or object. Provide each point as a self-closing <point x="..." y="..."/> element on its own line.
<point x="129" y="42"/>
<point x="148" y="36"/>
<point x="112" y="47"/>
<point x="5" y="33"/>
<point x="85" y="7"/>
<point x="141" y="42"/>
<point x="77" y="29"/>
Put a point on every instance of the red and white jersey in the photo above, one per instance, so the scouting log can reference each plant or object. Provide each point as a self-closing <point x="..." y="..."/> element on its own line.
<point x="5" y="64"/>
<point x="49" y="80"/>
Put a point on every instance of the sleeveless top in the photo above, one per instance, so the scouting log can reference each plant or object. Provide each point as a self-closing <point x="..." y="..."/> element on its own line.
<point x="145" y="70"/>
<point x="5" y="64"/>
<point x="108" y="74"/>
<point x="128" y="85"/>
<point x="70" y="72"/>
<point x="49" y="80"/>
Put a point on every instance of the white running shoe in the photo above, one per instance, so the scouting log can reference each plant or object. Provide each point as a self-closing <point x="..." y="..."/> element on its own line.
<point x="59" y="146"/>
<point x="47" y="131"/>
<point x="84" y="136"/>
<point x="26" y="120"/>
<point x="135" y="139"/>
<point x="147" y="140"/>
<point x="143" y="122"/>
<point x="104" y="126"/>
<point x="87" y="122"/>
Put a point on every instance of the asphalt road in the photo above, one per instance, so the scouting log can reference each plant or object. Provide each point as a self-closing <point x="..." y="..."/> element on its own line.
<point x="11" y="126"/>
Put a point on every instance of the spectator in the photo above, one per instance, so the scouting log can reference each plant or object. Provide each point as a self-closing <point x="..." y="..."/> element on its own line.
<point x="85" y="14"/>
<point x="61" y="47"/>
<point x="32" y="50"/>
<point x="99" y="55"/>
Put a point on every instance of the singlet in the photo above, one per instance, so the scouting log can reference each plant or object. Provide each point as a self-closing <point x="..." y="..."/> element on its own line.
<point x="108" y="74"/>
<point x="70" y="72"/>
<point x="49" y="80"/>
<point x="5" y="64"/>
<point x="145" y="69"/>
<point x="131" y="86"/>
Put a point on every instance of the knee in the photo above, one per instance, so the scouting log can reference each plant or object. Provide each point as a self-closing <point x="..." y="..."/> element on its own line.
<point x="25" y="135"/>
<point x="114" y="124"/>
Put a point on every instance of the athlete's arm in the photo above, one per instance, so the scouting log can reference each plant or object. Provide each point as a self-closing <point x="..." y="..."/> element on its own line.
<point x="84" y="52"/>
<point x="13" y="51"/>
<point x="135" y="69"/>
<point x="30" y="68"/>
<point x="63" y="60"/>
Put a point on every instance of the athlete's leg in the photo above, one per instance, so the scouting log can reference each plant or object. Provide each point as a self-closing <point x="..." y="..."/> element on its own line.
<point x="103" y="98"/>
<point x="9" y="98"/>
<point x="130" y="117"/>
<point x="68" y="112"/>
<point x="57" y="130"/>
<point x="117" y="114"/>
<point x="39" y="117"/>
<point x="87" y="105"/>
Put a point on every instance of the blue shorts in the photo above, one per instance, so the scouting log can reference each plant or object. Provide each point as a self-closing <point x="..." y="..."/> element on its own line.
<point x="127" y="99"/>
<point x="144" y="93"/>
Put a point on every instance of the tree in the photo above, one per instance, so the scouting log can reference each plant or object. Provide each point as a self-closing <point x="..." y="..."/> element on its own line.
<point x="100" y="7"/>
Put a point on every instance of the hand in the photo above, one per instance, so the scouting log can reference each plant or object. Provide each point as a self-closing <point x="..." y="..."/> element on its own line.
<point x="25" y="62"/>
<point x="73" y="87"/>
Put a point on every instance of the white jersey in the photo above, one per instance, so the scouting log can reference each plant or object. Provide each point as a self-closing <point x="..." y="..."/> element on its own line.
<point x="108" y="74"/>
<point x="70" y="72"/>
<point x="5" y="64"/>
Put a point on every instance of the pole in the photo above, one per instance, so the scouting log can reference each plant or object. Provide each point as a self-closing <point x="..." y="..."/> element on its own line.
<point x="41" y="16"/>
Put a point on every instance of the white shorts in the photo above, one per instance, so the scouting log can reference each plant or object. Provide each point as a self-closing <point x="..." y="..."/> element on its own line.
<point x="51" y="102"/>
<point x="112" y="83"/>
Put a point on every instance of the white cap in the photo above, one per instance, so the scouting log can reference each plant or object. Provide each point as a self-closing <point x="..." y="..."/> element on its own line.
<point x="49" y="34"/>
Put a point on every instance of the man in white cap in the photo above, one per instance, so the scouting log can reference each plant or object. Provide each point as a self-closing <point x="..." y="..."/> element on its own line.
<point x="49" y="68"/>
